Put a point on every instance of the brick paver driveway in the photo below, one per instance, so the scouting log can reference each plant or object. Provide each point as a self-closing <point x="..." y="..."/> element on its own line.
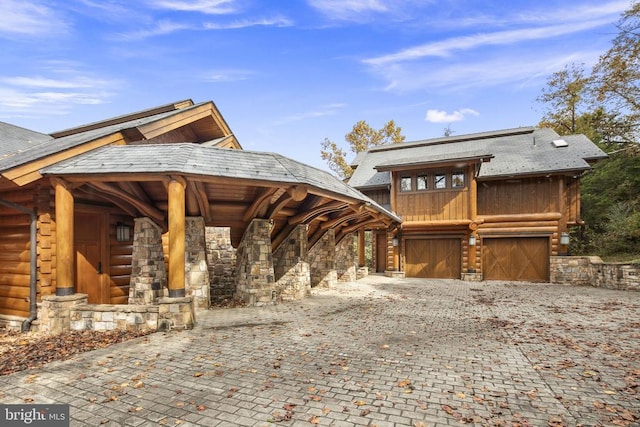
<point x="377" y="352"/>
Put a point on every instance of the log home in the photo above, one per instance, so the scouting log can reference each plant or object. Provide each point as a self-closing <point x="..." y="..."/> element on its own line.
<point x="114" y="213"/>
<point x="492" y="205"/>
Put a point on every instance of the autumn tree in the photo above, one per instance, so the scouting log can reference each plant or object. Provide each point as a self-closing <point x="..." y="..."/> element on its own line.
<point x="361" y="138"/>
<point x="616" y="76"/>
<point x="605" y="106"/>
<point x="563" y="98"/>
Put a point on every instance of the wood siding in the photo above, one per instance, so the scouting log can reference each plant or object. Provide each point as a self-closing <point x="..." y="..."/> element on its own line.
<point x="439" y="205"/>
<point x="14" y="264"/>
<point x="519" y="196"/>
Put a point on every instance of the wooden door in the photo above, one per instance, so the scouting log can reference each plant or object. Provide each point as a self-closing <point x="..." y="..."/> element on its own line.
<point x="381" y="253"/>
<point x="516" y="258"/>
<point x="433" y="258"/>
<point x="89" y="257"/>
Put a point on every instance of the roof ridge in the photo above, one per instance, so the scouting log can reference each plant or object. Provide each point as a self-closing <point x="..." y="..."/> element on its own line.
<point x="124" y="118"/>
<point x="455" y="139"/>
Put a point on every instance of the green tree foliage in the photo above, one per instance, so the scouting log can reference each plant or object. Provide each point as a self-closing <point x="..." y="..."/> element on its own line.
<point x="605" y="106"/>
<point x="361" y="138"/>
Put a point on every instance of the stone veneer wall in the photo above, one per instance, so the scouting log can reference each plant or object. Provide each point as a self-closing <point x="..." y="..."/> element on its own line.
<point x="148" y="280"/>
<point x="57" y="314"/>
<point x="322" y="259"/>
<point x="221" y="260"/>
<point x="592" y="271"/>
<point x="347" y="258"/>
<point x="292" y="274"/>
<point x="196" y="270"/>
<point x="256" y="277"/>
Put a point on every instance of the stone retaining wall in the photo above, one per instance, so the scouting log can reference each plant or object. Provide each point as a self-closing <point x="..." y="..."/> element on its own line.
<point x="592" y="271"/>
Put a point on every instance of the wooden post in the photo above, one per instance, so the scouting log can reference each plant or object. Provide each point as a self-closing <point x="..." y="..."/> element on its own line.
<point x="176" y="195"/>
<point x="473" y="214"/>
<point x="65" y="260"/>
<point x="361" y="260"/>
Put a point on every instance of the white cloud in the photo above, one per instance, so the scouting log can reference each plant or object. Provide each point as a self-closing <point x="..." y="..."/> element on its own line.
<point x="445" y="48"/>
<point x="347" y="9"/>
<point x="29" y="18"/>
<point x="325" y="110"/>
<point x="245" y="23"/>
<point x="162" y="28"/>
<point x="209" y="7"/>
<point x="54" y="94"/>
<point x="441" y="116"/>
<point x="225" y="76"/>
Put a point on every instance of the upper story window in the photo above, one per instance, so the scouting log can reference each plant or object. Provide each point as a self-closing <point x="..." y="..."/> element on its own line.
<point x="422" y="182"/>
<point x="405" y="183"/>
<point x="457" y="179"/>
<point x="441" y="180"/>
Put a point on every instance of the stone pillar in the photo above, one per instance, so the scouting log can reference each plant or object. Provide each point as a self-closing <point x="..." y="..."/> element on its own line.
<point x="322" y="259"/>
<point x="221" y="258"/>
<point x="255" y="265"/>
<point x="176" y="196"/>
<point x="197" y="272"/>
<point x="293" y="277"/>
<point x="148" y="280"/>
<point x="346" y="259"/>
<point x="65" y="249"/>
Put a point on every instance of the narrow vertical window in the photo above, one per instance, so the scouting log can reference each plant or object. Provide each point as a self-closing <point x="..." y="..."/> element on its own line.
<point x="440" y="181"/>
<point x="405" y="183"/>
<point x="422" y="182"/>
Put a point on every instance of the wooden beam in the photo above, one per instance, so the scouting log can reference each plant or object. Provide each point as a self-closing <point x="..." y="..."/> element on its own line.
<point x="177" y="243"/>
<point x="65" y="249"/>
<point x="297" y="192"/>
<point x="144" y="208"/>
<point x="279" y="204"/>
<point x="544" y="216"/>
<point x="307" y="216"/>
<point x="339" y="220"/>
<point x="259" y="203"/>
<point x="122" y="204"/>
<point x="202" y="199"/>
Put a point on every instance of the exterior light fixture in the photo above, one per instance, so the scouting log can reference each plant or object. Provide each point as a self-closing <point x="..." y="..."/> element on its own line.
<point x="394" y="241"/>
<point x="564" y="238"/>
<point x="472" y="240"/>
<point x="123" y="232"/>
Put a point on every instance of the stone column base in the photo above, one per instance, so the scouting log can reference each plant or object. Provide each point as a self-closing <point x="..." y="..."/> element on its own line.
<point x="54" y="315"/>
<point x="176" y="313"/>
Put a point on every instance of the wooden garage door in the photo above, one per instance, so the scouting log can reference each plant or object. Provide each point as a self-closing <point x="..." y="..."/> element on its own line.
<point x="433" y="258"/>
<point x="516" y="258"/>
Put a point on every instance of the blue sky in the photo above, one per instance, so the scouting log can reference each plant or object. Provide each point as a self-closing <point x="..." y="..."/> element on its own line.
<point x="286" y="74"/>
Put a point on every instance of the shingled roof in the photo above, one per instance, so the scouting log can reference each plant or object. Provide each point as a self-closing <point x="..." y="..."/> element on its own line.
<point x="198" y="160"/>
<point x="513" y="152"/>
<point x="17" y="140"/>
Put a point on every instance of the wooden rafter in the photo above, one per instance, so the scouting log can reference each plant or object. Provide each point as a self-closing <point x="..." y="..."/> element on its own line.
<point x="119" y="202"/>
<point x="347" y="216"/>
<point x="202" y="199"/>
<point x="279" y="204"/>
<point x="307" y="216"/>
<point x="144" y="208"/>
<point x="259" y="204"/>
